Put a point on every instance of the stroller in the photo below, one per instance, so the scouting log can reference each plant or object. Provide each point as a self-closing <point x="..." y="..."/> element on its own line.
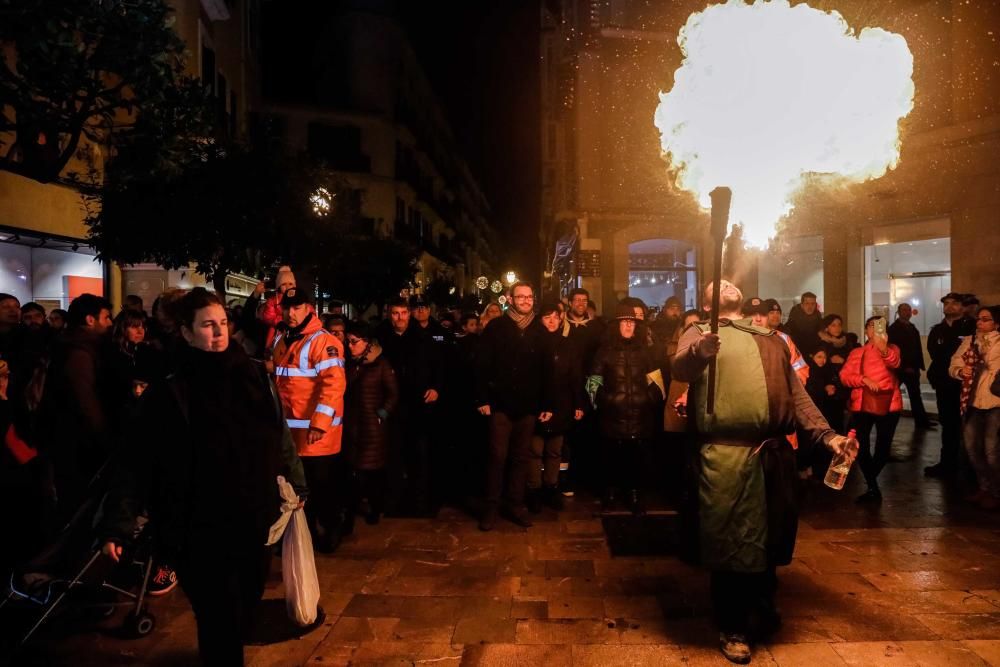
<point x="72" y="570"/>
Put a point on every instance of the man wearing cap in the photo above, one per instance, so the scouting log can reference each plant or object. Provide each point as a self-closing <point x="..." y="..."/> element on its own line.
<point x="309" y="373"/>
<point x="942" y="342"/>
<point x="970" y="304"/>
<point x="747" y="489"/>
<point x="773" y="314"/>
<point x="759" y="312"/>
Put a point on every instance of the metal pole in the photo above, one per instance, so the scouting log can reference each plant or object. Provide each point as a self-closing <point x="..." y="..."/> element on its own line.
<point x="721" y="198"/>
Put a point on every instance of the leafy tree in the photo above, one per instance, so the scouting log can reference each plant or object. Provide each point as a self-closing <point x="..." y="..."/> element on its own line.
<point x="109" y="71"/>
<point x="441" y="291"/>
<point x="365" y="270"/>
<point x="227" y="209"/>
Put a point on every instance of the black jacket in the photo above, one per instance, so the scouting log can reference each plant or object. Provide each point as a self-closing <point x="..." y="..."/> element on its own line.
<point x="628" y="405"/>
<point x="804" y="329"/>
<point x="418" y="357"/>
<point x="905" y="336"/>
<point x="942" y="342"/>
<point x="204" y="457"/>
<point x="563" y="388"/>
<point x="509" y="372"/>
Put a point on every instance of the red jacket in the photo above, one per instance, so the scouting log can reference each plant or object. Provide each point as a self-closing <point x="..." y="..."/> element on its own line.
<point x="876" y="367"/>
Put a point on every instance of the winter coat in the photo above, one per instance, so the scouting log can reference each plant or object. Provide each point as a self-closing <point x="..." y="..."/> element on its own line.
<point x="587" y="335"/>
<point x="563" y="390"/>
<point x="371" y="386"/>
<point x="819" y="379"/>
<point x="628" y="404"/>
<point x="203" y="458"/>
<point x="804" y="329"/>
<point x="942" y="342"/>
<point x="867" y="361"/>
<point x="309" y="373"/>
<point x="905" y="336"/>
<point x="989" y="349"/>
<point x="509" y="369"/>
<point x="417" y="356"/>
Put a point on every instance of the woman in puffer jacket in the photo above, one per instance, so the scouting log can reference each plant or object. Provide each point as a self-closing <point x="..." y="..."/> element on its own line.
<point x="371" y="401"/>
<point x="629" y="408"/>
<point x="976" y="363"/>
<point x="875" y="401"/>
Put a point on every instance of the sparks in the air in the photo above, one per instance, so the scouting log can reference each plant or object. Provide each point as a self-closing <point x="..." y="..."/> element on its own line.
<point x="768" y="93"/>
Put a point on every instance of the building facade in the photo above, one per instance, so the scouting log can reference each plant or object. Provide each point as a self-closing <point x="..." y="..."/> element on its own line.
<point x="44" y="255"/>
<point x="369" y="113"/>
<point x="926" y="228"/>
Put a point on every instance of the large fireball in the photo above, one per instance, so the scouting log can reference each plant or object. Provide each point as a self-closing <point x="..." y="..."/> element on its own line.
<point x="768" y="93"/>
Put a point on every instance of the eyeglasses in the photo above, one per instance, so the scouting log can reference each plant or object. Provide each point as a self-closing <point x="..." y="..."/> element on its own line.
<point x="524" y="298"/>
<point x="353" y="341"/>
<point x="985" y="319"/>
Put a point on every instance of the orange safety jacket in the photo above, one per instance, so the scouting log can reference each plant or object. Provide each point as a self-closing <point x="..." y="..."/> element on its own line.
<point x="311" y="380"/>
<point x="801" y="369"/>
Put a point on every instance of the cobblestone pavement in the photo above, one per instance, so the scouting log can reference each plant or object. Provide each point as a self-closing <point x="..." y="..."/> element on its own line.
<point x="913" y="582"/>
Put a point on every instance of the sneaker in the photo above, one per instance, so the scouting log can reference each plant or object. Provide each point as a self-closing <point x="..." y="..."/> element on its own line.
<point x="735" y="648"/>
<point x="938" y="471"/>
<point x="518" y="516"/>
<point x="163" y="581"/>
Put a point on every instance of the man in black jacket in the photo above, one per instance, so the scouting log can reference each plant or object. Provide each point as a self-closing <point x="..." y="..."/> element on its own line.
<point x="416" y="356"/>
<point x="905" y="336"/>
<point x="509" y="392"/>
<point x="942" y="342"/>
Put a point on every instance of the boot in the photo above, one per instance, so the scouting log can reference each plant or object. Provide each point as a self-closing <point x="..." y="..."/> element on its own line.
<point x="489" y="519"/>
<point x="518" y="515"/>
<point x="534" y="501"/>
<point x="554" y="498"/>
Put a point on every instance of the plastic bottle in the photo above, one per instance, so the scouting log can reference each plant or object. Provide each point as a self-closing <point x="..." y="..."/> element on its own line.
<point x="840" y="466"/>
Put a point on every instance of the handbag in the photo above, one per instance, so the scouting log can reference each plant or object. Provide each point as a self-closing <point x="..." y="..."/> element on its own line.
<point x="995" y="385"/>
<point x="875" y="403"/>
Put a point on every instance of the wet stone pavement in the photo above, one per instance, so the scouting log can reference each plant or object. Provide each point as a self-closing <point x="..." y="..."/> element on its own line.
<point x="915" y="581"/>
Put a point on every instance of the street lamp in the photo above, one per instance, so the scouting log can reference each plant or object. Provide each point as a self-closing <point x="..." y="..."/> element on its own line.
<point x="511" y="277"/>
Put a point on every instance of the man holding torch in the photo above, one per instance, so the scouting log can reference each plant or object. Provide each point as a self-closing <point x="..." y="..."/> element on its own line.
<point x="747" y="485"/>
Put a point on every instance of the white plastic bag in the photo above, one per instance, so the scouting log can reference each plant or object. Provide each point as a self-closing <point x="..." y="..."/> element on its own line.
<point x="298" y="565"/>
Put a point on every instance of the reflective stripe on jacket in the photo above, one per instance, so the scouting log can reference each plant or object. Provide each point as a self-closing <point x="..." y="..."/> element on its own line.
<point x="309" y="373"/>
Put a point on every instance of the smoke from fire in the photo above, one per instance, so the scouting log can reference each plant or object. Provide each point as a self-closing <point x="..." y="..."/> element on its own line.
<point x="768" y="93"/>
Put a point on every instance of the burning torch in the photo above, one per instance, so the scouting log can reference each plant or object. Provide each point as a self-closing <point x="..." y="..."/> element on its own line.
<point x="721" y="197"/>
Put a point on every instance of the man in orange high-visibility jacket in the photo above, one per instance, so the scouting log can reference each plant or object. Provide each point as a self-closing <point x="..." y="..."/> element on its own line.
<point x="309" y="373"/>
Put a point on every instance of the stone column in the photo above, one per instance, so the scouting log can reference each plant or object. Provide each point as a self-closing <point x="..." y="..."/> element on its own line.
<point x="835" y="272"/>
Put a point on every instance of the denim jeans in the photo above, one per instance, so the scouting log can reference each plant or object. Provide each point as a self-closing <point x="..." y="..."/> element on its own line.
<point x="982" y="444"/>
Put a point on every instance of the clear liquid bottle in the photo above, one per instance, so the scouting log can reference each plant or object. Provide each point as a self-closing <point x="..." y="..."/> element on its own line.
<point x="840" y="466"/>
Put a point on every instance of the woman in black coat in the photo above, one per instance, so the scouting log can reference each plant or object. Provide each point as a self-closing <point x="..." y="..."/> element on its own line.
<point x="562" y="404"/>
<point x="204" y="458"/>
<point x="371" y="401"/>
<point x="629" y="408"/>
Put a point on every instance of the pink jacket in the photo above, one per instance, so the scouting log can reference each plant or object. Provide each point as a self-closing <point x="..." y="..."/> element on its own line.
<point x="877" y="368"/>
<point x="271" y="314"/>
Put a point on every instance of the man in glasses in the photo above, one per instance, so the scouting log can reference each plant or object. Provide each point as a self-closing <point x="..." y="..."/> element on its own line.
<point x="509" y="392"/>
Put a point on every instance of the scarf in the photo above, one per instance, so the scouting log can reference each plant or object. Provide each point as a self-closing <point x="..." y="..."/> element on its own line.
<point x="973" y="359"/>
<point x="839" y="341"/>
<point x="569" y="322"/>
<point x="522" y="321"/>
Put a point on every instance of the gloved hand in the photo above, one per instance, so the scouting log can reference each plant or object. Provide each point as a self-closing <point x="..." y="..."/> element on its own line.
<point x="594" y="382"/>
<point x="841" y="444"/>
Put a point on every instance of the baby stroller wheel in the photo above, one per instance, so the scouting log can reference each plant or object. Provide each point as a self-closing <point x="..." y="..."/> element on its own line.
<point x="141" y="624"/>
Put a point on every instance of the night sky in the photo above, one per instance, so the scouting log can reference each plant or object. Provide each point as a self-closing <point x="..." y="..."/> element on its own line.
<point x="481" y="58"/>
